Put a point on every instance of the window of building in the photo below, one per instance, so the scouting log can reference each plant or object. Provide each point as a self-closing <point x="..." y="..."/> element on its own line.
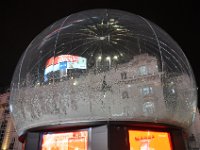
<point x="12" y="143"/>
<point x="3" y="125"/>
<point x="142" y="70"/>
<point x="147" y="90"/>
<point x="6" y="111"/>
<point x="1" y="137"/>
<point x="98" y="63"/>
<point x="125" y="94"/>
<point x="2" y="134"/>
<point x="148" y="108"/>
<point x="123" y="75"/>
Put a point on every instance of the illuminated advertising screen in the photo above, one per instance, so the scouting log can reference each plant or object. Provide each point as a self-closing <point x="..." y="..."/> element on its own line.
<point x="74" y="61"/>
<point x="63" y="63"/>
<point x="149" y="140"/>
<point x="77" y="140"/>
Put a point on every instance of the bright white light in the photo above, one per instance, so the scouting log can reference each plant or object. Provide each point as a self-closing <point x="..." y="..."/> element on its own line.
<point x="108" y="58"/>
<point x="11" y="108"/>
<point x="173" y="91"/>
<point x="102" y="37"/>
<point x="115" y="57"/>
<point x="116" y="26"/>
<point x="75" y="83"/>
<point x="112" y="19"/>
<point x="118" y="29"/>
<point x="104" y="95"/>
<point x="99" y="58"/>
<point x="114" y="42"/>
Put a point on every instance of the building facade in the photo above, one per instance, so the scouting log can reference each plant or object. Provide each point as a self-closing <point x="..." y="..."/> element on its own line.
<point x="8" y="136"/>
<point x="133" y="90"/>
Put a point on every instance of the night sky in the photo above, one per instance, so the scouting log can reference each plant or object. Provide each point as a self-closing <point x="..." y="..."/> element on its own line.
<point x="21" y="21"/>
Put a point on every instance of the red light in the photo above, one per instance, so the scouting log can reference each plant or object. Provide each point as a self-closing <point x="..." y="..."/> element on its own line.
<point x="61" y="58"/>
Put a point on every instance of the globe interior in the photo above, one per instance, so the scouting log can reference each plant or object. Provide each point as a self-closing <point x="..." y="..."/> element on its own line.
<point x="102" y="65"/>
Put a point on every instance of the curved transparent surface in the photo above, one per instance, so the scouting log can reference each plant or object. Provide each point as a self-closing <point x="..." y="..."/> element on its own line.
<point x="99" y="65"/>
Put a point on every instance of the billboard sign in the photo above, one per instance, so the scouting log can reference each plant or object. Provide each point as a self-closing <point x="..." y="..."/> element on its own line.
<point x="64" y="63"/>
<point x="77" y="140"/>
<point x="149" y="140"/>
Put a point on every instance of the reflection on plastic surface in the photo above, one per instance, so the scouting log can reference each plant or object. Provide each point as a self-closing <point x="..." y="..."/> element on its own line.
<point x="77" y="140"/>
<point x="80" y="61"/>
<point x="63" y="63"/>
<point x="149" y="140"/>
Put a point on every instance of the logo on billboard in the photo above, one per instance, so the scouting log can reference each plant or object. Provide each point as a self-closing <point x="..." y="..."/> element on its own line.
<point x="149" y="140"/>
<point x="77" y="140"/>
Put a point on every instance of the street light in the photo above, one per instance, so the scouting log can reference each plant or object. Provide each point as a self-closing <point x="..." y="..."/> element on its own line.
<point x="109" y="60"/>
<point x="99" y="58"/>
<point x="115" y="57"/>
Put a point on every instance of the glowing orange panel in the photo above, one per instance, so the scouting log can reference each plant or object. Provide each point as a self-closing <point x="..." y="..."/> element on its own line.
<point x="65" y="141"/>
<point x="149" y="140"/>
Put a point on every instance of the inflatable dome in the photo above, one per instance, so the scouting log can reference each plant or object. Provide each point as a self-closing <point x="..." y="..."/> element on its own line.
<point x="102" y="65"/>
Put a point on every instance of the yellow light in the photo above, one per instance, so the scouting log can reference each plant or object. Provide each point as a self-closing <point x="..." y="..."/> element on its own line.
<point x="6" y="139"/>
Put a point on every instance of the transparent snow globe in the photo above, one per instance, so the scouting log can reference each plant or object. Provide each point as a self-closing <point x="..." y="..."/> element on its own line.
<point x="102" y="65"/>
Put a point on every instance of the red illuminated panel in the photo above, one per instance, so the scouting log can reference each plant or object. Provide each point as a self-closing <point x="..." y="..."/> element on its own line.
<point x="50" y="62"/>
<point x="61" y="58"/>
<point x="77" y="143"/>
<point x="149" y="140"/>
<point x="65" y="141"/>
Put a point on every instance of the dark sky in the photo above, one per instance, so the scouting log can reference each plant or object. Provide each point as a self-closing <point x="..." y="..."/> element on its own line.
<point x="21" y="21"/>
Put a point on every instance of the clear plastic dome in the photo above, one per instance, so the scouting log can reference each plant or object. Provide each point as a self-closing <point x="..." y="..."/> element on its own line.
<point x="102" y="65"/>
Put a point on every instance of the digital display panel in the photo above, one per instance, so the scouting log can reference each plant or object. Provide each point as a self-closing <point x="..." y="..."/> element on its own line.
<point x="62" y="63"/>
<point x="77" y="140"/>
<point x="149" y="140"/>
<point x="74" y="61"/>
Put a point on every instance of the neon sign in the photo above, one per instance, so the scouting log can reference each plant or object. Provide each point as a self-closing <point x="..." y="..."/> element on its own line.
<point x="63" y="63"/>
<point x="149" y="140"/>
<point x="77" y="140"/>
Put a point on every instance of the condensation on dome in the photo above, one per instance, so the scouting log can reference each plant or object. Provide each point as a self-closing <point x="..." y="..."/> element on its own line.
<point x="102" y="65"/>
